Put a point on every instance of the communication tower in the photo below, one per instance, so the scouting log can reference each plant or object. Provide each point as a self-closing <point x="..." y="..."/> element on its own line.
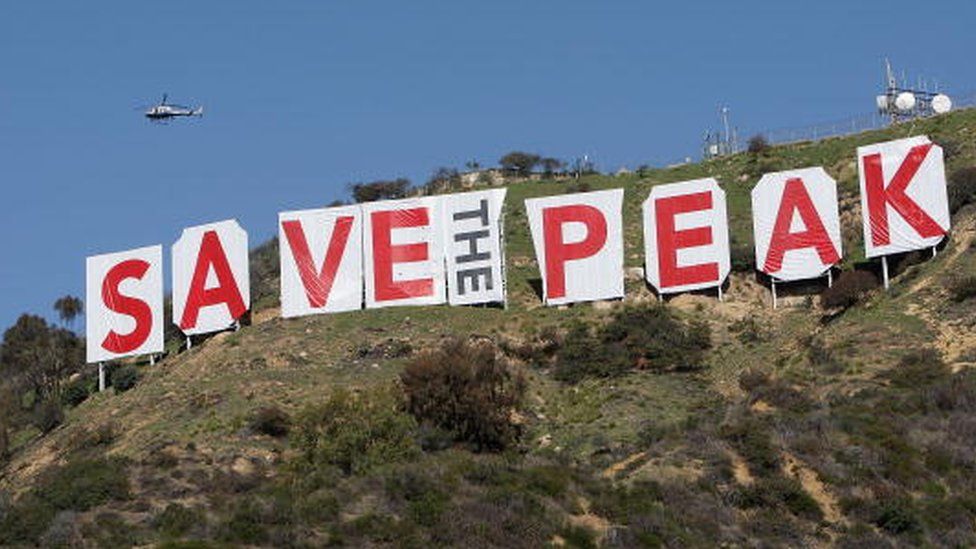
<point x="902" y="102"/>
<point x="723" y="141"/>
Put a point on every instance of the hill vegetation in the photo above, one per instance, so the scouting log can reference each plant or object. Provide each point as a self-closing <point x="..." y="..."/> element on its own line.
<point x="842" y="418"/>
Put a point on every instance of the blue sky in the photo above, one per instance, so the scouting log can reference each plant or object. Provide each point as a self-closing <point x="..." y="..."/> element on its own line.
<point x="302" y="98"/>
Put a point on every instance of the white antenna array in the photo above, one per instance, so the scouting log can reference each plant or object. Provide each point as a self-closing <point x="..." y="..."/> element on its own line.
<point x="723" y="141"/>
<point x="904" y="102"/>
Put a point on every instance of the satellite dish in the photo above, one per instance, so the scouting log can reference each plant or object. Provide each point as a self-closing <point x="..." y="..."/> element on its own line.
<point x="941" y="104"/>
<point x="882" y="102"/>
<point x="905" y="101"/>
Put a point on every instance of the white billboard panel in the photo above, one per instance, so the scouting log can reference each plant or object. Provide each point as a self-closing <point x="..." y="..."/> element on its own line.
<point x="403" y="251"/>
<point x="579" y="245"/>
<point x="124" y="304"/>
<point x="321" y="261"/>
<point x="474" y="247"/>
<point x="904" y="203"/>
<point x="686" y="236"/>
<point x="796" y="224"/>
<point x="211" y="278"/>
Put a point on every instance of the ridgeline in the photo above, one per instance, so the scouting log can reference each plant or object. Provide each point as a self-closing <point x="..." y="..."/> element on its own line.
<point x="845" y="417"/>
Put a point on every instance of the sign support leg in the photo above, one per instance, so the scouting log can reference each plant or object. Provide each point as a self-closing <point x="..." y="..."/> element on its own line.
<point x="189" y="343"/>
<point x="830" y="278"/>
<point x="934" y="252"/>
<point x="884" y="270"/>
<point x="774" y="292"/>
<point x="152" y="359"/>
<point x="101" y="377"/>
<point x="720" y="292"/>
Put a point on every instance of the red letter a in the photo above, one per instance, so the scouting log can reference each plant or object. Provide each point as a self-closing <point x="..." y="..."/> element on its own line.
<point x="796" y="199"/>
<point x="212" y="256"/>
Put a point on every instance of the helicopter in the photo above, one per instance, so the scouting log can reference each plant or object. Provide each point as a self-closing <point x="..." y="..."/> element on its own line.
<point x="165" y="111"/>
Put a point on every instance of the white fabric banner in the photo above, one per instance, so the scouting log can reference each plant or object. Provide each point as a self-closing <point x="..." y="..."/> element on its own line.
<point x="686" y="236"/>
<point x="796" y="224"/>
<point x="211" y="277"/>
<point x="904" y="203"/>
<point x="321" y="260"/>
<point x="579" y="245"/>
<point x="474" y="252"/>
<point x="124" y="304"/>
<point x="403" y="251"/>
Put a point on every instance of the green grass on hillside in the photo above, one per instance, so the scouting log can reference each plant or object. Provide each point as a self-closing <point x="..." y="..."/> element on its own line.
<point x="795" y="428"/>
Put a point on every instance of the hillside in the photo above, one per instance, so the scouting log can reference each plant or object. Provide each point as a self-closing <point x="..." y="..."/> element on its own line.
<point x="797" y="426"/>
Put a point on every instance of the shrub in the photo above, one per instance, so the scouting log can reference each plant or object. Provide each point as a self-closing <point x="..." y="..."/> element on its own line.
<point x="918" y="368"/>
<point x="537" y="347"/>
<point x="246" y="524"/>
<point x="380" y="190"/>
<point x="821" y="355"/>
<point x="777" y="490"/>
<point x="519" y="163"/>
<point x="109" y="529"/>
<point x="644" y="337"/>
<point x="751" y="438"/>
<point x="85" y="483"/>
<point x="357" y="432"/>
<point x="752" y="379"/>
<point x="579" y="537"/>
<point x="23" y="523"/>
<point x="962" y="188"/>
<point x="443" y="180"/>
<point x="271" y="421"/>
<point x="779" y="393"/>
<point x="77" y="486"/>
<point x="758" y="144"/>
<point x="176" y="520"/>
<point x="466" y="389"/>
<point x="580" y="187"/>
<point x="849" y="288"/>
<point x="124" y="378"/>
<point x="898" y="517"/>
<point x="582" y="355"/>
<point x="48" y="415"/>
<point x="87" y="438"/>
<point x="63" y="531"/>
<point x="748" y="330"/>
<point x="426" y="500"/>
<point x="76" y="392"/>
<point x="962" y="288"/>
<point x="656" y="339"/>
<point x="742" y="256"/>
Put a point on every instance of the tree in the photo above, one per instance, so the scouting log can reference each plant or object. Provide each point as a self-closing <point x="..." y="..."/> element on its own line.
<point x="380" y="190"/>
<point x="466" y="389"/>
<point x="551" y="166"/>
<point x="443" y="179"/>
<point x="519" y="163"/>
<point x="8" y="407"/>
<point x="38" y="355"/>
<point x="68" y="308"/>
<point x="758" y="144"/>
<point x="472" y="165"/>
